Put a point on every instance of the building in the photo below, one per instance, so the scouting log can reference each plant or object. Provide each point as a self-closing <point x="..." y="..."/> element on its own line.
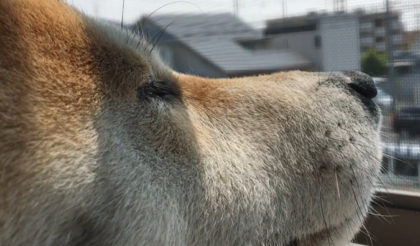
<point x="214" y="45"/>
<point x="373" y="32"/>
<point x="411" y="41"/>
<point x="309" y="34"/>
<point x="329" y="41"/>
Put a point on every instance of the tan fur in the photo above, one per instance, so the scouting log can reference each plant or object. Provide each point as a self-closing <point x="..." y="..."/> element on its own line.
<point x="87" y="160"/>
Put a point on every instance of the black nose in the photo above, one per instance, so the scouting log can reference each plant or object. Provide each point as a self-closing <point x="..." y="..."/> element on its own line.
<point x="362" y="83"/>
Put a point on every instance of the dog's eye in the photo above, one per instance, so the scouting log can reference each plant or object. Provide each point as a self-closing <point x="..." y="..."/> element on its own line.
<point x="159" y="90"/>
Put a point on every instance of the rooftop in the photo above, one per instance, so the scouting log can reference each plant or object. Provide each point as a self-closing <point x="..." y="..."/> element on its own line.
<point x="215" y="37"/>
<point x="205" y="25"/>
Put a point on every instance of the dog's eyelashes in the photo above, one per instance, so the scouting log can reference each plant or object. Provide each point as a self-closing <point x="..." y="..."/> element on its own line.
<point x="159" y="90"/>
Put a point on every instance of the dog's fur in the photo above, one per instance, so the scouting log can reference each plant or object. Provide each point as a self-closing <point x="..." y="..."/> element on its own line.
<point x="102" y="144"/>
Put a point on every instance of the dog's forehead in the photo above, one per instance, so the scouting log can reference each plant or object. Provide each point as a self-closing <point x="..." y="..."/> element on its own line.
<point x="57" y="44"/>
<point x="43" y="25"/>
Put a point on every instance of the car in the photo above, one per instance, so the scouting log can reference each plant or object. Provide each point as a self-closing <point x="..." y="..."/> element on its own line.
<point x="383" y="99"/>
<point x="406" y="121"/>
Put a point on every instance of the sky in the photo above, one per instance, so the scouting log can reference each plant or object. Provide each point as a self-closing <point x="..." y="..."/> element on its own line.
<point x="255" y="12"/>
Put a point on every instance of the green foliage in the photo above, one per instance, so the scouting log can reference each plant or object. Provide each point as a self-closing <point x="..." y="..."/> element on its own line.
<point x="374" y="63"/>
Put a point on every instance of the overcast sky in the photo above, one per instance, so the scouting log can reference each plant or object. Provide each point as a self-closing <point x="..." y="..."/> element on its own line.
<point x="251" y="11"/>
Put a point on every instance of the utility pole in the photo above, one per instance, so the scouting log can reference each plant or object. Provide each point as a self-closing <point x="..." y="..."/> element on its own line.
<point x="340" y="6"/>
<point x="284" y="8"/>
<point x="418" y="21"/>
<point x="236" y="7"/>
<point x="390" y="55"/>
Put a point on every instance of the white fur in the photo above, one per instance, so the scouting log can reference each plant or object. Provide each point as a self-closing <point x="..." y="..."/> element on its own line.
<point x="257" y="164"/>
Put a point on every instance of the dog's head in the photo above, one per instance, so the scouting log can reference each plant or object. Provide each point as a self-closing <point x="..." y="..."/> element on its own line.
<point x="101" y="143"/>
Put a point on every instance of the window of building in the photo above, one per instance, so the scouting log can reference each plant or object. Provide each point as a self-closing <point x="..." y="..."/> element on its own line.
<point x="317" y="41"/>
<point x="379" y="39"/>
<point x="379" y="23"/>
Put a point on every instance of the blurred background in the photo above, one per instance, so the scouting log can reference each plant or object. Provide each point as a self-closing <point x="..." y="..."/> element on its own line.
<point x="231" y="38"/>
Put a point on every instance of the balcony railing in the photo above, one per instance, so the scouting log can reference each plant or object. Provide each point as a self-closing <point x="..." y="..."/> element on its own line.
<point x="366" y="26"/>
<point x="380" y="31"/>
<point x="368" y="41"/>
<point x="397" y="39"/>
<point x="396" y="25"/>
<point x="380" y="46"/>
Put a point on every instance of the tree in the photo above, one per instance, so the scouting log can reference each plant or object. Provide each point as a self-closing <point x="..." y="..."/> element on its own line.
<point x="374" y="63"/>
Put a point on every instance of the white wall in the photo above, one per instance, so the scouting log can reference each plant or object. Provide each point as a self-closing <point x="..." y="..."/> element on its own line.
<point x="340" y="43"/>
<point x="302" y="43"/>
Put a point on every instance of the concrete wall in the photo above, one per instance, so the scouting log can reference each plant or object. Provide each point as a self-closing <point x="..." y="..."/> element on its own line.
<point x="340" y="43"/>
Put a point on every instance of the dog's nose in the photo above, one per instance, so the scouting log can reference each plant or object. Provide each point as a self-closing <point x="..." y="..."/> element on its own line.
<point x="362" y="83"/>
